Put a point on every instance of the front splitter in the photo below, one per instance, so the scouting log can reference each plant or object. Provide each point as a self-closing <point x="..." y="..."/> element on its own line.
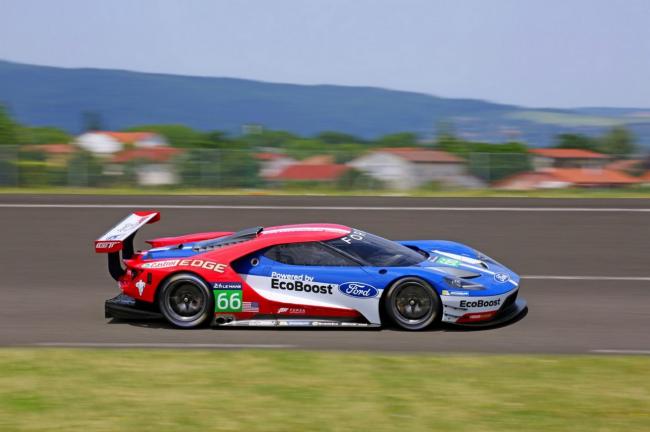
<point x="515" y="312"/>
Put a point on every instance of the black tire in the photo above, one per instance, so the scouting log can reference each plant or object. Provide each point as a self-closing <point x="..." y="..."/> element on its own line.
<point x="412" y="304"/>
<point x="186" y="301"/>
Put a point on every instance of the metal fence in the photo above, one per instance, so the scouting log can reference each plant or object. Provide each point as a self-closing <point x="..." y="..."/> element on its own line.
<point x="218" y="168"/>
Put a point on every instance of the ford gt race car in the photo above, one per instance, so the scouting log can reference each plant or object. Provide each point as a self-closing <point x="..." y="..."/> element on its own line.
<point x="304" y="275"/>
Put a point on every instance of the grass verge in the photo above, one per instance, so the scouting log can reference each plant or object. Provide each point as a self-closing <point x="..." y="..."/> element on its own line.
<point x="636" y="192"/>
<point x="166" y="390"/>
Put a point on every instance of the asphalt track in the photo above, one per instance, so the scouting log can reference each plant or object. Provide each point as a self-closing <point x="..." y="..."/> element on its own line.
<point x="586" y="268"/>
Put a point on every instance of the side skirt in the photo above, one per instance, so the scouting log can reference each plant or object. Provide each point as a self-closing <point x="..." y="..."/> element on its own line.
<point x="295" y="323"/>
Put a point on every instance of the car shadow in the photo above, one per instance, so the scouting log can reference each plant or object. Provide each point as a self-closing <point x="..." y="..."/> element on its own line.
<point x="447" y="328"/>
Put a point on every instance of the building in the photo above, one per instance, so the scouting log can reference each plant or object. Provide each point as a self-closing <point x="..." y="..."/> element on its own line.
<point x="310" y="173"/>
<point x="108" y="142"/>
<point x="271" y="164"/>
<point x="411" y="167"/>
<point x="567" y="158"/>
<point x="555" y="178"/>
<point x="152" y="166"/>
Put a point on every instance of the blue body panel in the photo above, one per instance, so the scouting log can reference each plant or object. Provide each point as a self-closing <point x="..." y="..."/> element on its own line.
<point x="432" y="270"/>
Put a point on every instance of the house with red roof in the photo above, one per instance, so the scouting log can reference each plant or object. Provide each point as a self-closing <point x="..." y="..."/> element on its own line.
<point x="554" y="178"/>
<point x="272" y="163"/>
<point x="310" y="173"/>
<point x="411" y="167"/>
<point x="109" y="142"/>
<point x="567" y="158"/>
<point x="153" y="165"/>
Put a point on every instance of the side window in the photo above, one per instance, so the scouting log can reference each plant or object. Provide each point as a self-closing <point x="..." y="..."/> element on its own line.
<point x="307" y="254"/>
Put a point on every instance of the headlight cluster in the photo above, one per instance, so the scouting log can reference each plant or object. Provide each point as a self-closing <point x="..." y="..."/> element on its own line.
<point x="463" y="284"/>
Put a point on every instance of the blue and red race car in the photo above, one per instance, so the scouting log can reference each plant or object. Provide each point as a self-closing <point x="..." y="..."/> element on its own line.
<point x="311" y="275"/>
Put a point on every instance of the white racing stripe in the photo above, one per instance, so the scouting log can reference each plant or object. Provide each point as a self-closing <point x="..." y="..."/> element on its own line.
<point x="157" y="345"/>
<point x="589" y="278"/>
<point x="620" y="351"/>
<point x="333" y="208"/>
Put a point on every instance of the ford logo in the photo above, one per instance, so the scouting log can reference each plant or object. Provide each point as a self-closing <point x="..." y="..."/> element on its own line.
<point x="501" y="277"/>
<point x="358" y="289"/>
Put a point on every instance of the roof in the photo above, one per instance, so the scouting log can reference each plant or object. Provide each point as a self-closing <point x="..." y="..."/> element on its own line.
<point x="152" y="154"/>
<point x="592" y="176"/>
<point x="323" y="172"/>
<point x="645" y="177"/>
<point x="567" y="176"/>
<point x="421" y="155"/>
<point x="318" y="160"/>
<point x="127" y="137"/>
<point x="624" y="165"/>
<point x="52" y="149"/>
<point x="268" y="156"/>
<point x="307" y="229"/>
<point x="567" y="153"/>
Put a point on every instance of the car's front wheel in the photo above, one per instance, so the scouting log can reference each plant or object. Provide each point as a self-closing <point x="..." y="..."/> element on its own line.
<point x="412" y="303"/>
<point x="186" y="301"/>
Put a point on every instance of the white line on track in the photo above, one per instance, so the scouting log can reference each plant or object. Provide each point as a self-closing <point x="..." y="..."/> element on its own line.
<point x="157" y="345"/>
<point x="620" y="351"/>
<point x="333" y="208"/>
<point x="590" y="278"/>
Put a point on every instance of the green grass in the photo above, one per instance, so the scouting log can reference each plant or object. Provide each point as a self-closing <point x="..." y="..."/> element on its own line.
<point x="633" y="192"/>
<point x="166" y="390"/>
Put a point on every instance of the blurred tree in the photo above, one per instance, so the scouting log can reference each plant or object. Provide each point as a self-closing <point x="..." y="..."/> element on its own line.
<point x="219" y="168"/>
<point x="576" y="141"/>
<point x="355" y="179"/>
<point x="269" y="138"/>
<point x="42" y="135"/>
<point x="617" y="141"/>
<point x="305" y="147"/>
<point x="402" y="139"/>
<point x="8" y="128"/>
<point x="332" y="137"/>
<point x="177" y="135"/>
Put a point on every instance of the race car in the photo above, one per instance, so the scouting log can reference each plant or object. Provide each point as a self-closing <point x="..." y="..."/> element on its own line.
<point x="308" y="275"/>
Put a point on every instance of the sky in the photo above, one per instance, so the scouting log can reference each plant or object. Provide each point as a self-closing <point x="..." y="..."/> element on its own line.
<point x="538" y="53"/>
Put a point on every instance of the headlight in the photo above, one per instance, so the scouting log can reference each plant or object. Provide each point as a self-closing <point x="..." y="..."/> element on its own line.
<point x="463" y="284"/>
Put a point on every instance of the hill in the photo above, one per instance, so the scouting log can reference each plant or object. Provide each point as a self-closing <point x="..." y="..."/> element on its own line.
<point x="43" y="95"/>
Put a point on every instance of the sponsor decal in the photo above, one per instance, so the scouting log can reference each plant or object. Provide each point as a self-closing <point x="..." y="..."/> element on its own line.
<point x="454" y="293"/>
<point x="106" y="244"/>
<point x="299" y="283"/>
<point x="294" y="323"/>
<point x="354" y="235"/>
<point x="501" y="277"/>
<point x="208" y="265"/>
<point x="479" y="303"/>
<point x="251" y="307"/>
<point x="291" y="311"/>
<point x="226" y="285"/>
<point x="228" y="301"/>
<point x="325" y="324"/>
<point x="446" y="261"/>
<point x="140" y="285"/>
<point x="358" y="289"/>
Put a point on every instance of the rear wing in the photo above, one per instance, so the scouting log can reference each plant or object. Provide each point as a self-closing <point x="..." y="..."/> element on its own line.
<point x="114" y="240"/>
<point x="120" y="238"/>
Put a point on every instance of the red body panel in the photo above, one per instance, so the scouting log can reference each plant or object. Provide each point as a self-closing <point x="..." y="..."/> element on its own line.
<point x="214" y="266"/>
<point x="188" y="238"/>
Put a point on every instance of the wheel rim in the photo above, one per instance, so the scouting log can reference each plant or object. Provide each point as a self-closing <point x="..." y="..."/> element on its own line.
<point x="186" y="301"/>
<point x="413" y="303"/>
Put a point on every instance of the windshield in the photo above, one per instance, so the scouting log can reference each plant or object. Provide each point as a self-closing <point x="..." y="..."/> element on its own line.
<point x="376" y="251"/>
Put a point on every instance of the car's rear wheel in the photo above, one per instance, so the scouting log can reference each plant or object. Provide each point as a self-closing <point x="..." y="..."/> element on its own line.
<point x="412" y="304"/>
<point x="186" y="301"/>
